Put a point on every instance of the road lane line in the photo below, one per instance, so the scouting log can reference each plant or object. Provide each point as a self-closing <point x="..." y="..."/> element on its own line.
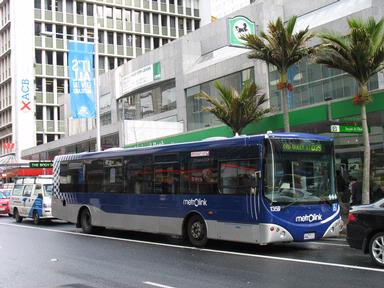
<point x="204" y="250"/>
<point x="157" y="285"/>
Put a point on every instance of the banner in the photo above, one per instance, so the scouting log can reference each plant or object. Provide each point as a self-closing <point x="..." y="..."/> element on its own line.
<point x="81" y="80"/>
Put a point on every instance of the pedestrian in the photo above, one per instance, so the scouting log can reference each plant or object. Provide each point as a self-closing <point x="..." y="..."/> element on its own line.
<point x="357" y="188"/>
<point x="343" y="192"/>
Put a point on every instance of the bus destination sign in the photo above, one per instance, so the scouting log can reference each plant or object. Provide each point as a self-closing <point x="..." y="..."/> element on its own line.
<point x="302" y="147"/>
<point x="40" y="164"/>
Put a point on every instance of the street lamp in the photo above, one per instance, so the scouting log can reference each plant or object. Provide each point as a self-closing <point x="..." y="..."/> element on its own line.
<point x="96" y="75"/>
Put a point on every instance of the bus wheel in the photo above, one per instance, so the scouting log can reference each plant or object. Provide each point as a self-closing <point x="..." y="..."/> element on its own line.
<point x="36" y="218"/>
<point x="197" y="231"/>
<point x="86" y="221"/>
<point x="18" y="218"/>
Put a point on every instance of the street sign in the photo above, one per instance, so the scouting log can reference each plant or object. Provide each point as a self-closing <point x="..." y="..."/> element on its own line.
<point x="40" y="164"/>
<point x="346" y="129"/>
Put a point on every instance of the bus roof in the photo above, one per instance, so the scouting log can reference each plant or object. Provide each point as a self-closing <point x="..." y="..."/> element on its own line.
<point x="197" y="145"/>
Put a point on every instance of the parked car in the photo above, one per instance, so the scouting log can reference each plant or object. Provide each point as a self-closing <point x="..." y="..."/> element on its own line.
<point x="365" y="230"/>
<point x="4" y="202"/>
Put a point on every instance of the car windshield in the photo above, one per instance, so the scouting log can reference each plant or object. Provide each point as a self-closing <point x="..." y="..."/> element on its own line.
<point x="2" y="196"/>
<point x="48" y="189"/>
<point x="299" y="171"/>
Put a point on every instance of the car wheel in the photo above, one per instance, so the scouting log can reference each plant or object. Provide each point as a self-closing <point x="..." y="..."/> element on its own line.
<point x="18" y="218"/>
<point x="197" y="231"/>
<point x="376" y="248"/>
<point x="36" y="218"/>
<point x="86" y="221"/>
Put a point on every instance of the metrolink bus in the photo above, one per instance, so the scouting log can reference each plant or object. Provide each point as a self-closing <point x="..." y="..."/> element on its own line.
<point x="275" y="187"/>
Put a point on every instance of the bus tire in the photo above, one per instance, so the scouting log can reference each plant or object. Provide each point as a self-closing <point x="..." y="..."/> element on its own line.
<point x="86" y="221"/>
<point x="197" y="231"/>
<point x="18" y="218"/>
<point x="36" y="217"/>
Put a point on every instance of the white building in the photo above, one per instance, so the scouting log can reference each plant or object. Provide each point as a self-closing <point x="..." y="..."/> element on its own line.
<point x="33" y="66"/>
<point x="215" y="9"/>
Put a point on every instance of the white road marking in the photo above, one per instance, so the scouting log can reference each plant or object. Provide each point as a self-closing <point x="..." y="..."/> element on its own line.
<point x="157" y="285"/>
<point x="328" y="243"/>
<point x="204" y="250"/>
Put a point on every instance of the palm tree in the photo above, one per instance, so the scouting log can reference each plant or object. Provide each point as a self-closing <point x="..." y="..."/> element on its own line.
<point x="281" y="48"/>
<point x="234" y="109"/>
<point x="360" y="54"/>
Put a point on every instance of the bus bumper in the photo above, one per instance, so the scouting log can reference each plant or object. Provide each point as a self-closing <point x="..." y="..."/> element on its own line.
<point x="272" y="233"/>
<point x="334" y="229"/>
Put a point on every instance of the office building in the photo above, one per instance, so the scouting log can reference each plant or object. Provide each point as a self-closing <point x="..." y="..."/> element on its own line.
<point x="34" y="39"/>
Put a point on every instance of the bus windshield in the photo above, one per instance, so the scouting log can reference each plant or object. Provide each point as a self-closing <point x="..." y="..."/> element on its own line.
<point x="299" y="171"/>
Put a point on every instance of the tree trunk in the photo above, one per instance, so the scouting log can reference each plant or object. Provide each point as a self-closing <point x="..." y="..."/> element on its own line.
<point x="284" y="103"/>
<point x="367" y="156"/>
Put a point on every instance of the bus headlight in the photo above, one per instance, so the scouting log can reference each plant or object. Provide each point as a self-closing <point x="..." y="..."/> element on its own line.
<point x="282" y="234"/>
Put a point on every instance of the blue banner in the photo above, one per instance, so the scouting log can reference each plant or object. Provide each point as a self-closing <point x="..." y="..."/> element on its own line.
<point x="81" y="80"/>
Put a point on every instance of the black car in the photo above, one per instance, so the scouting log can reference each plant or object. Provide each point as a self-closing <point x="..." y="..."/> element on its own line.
<point x="365" y="230"/>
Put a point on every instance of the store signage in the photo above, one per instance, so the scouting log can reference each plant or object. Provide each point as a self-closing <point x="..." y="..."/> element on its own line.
<point x="81" y="79"/>
<point x="40" y="164"/>
<point x="346" y="129"/>
<point x="238" y="26"/>
<point x="141" y="77"/>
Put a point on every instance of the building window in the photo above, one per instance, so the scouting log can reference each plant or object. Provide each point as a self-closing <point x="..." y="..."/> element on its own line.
<point x="156" y="42"/>
<point x="89" y="9"/>
<point x="127" y="16"/>
<point x="59" y="31"/>
<point x="119" y="38"/>
<point x="110" y="37"/>
<point x="164" y="20"/>
<point x="101" y="37"/>
<point x="147" y="42"/>
<point x="60" y="85"/>
<point x="137" y="17"/>
<point x="48" y="57"/>
<point x="60" y="58"/>
<point x="49" y="84"/>
<point x="39" y="112"/>
<point x="118" y="13"/>
<point x="38" y="57"/>
<point x="111" y="63"/>
<point x="129" y="40"/>
<point x="37" y="28"/>
<point x="79" y="8"/>
<point x="109" y="12"/>
<point x="69" y="6"/>
<point x="37" y="4"/>
<point x="59" y="5"/>
<point x="48" y="5"/>
<point x="39" y="84"/>
<point x="146" y="18"/>
<point x="155" y="19"/>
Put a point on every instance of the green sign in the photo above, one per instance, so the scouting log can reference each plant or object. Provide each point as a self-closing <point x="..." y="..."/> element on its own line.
<point x="346" y="129"/>
<point x="156" y="71"/>
<point x="40" y="164"/>
<point x="302" y="147"/>
<point x="238" y="26"/>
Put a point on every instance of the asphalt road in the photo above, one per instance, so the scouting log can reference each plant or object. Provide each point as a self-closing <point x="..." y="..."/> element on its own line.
<point x="59" y="255"/>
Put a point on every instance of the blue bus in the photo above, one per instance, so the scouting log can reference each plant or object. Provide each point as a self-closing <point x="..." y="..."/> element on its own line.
<point x="274" y="187"/>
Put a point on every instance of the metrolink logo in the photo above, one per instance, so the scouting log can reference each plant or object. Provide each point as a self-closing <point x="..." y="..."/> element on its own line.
<point x="195" y="202"/>
<point x="309" y="218"/>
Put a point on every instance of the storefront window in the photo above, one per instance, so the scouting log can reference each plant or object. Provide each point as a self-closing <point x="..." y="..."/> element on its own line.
<point x="314" y="83"/>
<point x="196" y="118"/>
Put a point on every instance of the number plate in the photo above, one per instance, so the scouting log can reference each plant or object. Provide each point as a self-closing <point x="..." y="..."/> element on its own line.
<point x="309" y="236"/>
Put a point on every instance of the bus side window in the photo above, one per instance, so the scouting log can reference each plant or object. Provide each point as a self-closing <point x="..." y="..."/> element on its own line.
<point x="167" y="179"/>
<point x="237" y="177"/>
<point x="138" y="175"/>
<point x="199" y="176"/>
<point x="94" y="175"/>
<point x="113" y="175"/>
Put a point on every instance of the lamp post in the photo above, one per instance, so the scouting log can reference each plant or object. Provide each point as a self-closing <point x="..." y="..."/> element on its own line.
<point x="96" y="75"/>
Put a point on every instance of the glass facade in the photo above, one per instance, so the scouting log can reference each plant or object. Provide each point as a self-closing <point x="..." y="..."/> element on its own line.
<point x="150" y="102"/>
<point x="196" y="117"/>
<point x="314" y="83"/>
